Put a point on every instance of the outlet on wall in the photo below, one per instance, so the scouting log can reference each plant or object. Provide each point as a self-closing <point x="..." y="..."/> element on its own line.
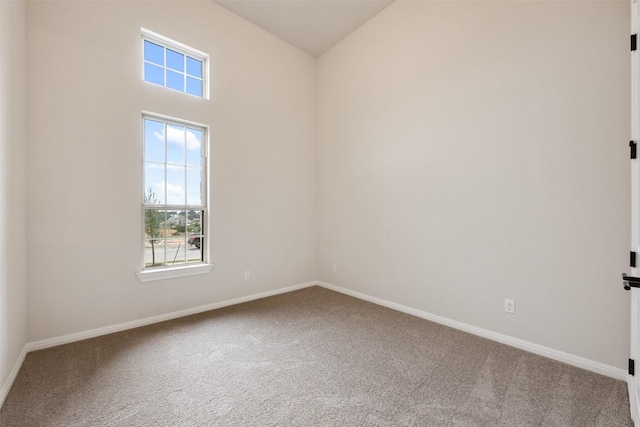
<point x="247" y="275"/>
<point x="335" y="268"/>
<point x="510" y="306"/>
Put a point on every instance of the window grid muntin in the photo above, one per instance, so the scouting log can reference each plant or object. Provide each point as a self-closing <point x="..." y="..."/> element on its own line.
<point x="167" y="207"/>
<point x="201" y="235"/>
<point x="185" y="74"/>
<point x="166" y="43"/>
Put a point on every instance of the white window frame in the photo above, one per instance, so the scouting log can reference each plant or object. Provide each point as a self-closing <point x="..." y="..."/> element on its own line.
<point x="168" y="272"/>
<point x="168" y="43"/>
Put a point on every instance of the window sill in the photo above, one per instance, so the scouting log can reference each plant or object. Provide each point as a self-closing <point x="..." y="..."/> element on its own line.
<point x="172" y="273"/>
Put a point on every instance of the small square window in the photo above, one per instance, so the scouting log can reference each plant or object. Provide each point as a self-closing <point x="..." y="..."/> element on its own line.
<point x="173" y="65"/>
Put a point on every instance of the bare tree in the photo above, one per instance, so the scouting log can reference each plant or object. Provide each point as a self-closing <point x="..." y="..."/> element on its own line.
<point x="153" y="222"/>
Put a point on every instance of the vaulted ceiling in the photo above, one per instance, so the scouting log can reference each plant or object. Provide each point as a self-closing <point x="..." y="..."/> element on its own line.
<point x="311" y="25"/>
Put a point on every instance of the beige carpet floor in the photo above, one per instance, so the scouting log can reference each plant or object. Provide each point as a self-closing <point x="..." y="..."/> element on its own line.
<point x="307" y="358"/>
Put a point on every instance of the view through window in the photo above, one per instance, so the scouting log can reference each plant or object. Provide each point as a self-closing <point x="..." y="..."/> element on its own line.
<point x="173" y="65"/>
<point x="175" y="205"/>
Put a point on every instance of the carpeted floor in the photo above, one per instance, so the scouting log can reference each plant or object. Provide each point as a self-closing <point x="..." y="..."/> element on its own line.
<point x="307" y="358"/>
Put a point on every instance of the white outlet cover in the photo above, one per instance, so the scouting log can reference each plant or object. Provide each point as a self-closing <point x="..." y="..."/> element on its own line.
<point x="510" y="306"/>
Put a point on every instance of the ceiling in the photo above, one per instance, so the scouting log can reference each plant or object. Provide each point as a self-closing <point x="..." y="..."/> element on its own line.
<point x="311" y="25"/>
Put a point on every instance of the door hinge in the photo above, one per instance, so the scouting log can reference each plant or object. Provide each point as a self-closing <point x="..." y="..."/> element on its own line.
<point x="632" y="259"/>
<point x="632" y="367"/>
<point x="634" y="42"/>
<point x="632" y="144"/>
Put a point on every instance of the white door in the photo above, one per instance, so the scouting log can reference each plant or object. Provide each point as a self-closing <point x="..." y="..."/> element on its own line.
<point x="634" y="384"/>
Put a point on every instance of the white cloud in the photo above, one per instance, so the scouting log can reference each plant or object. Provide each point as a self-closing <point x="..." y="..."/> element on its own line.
<point x="176" y="136"/>
<point x="175" y="192"/>
<point x="161" y="166"/>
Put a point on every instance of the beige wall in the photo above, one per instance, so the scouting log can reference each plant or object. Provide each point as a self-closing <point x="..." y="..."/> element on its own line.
<point x="85" y="100"/>
<point x="13" y="230"/>
<point x="475" y="151"/>
<point x="466" y="153"/>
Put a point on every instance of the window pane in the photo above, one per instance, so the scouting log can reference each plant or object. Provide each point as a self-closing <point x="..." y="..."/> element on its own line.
<point x="175" y="60"/>
<point x="153" y="53"/>
<point x="175" y="80"/>
<point x="176" y="244"/>
<point x="194" y="222"/>
<point x="173" y="237"/>
<point x="194" y="186"/>
<point x="153" y="141"/>
<point x="194" y="86"/>
<point x="194" y="67"/>
<point x="194" y="147"/>
<point x="176" y="222"/>
<point x="154" y="184"/>
<point x="175" y="185"/>
<point x="195" y="250"/>
<point x="175" y="144"/>
<point x="173" y="67"/>
<point x="154" y="223"/>
<point x="195" y="236"/>
<point x="154" y="253"/>
<point x="153" y="74"/>
<point x="154" y="229"/>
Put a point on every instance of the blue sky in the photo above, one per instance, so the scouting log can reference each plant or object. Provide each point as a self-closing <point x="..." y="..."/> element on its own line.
<point x="182" y="163"/>
<point x="178" y="71"/>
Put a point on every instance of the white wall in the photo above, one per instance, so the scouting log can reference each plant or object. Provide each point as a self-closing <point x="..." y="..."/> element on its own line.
<point x="85" y="99"/>
<point x="475" y="151"/>
<point x="467" y="153"/>
<point x="13" y="273"/>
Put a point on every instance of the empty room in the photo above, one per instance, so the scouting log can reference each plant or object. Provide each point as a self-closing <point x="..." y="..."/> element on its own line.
<point x="319" y="213"/>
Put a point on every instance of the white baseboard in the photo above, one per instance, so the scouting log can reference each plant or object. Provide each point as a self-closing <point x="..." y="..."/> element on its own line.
<point x="580" y="362"/>
<point x="4" y="391"/>
<point x="92" y="333"/>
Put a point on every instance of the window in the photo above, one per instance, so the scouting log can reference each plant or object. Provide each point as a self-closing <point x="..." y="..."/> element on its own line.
<point x="174" y="65"/>
<point x="174" y="206"/>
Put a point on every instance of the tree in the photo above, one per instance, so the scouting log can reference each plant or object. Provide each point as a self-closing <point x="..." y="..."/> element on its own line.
<point x="176" y="221"/>
<point x="153" y="222"/>
<point x="193" y="218"/>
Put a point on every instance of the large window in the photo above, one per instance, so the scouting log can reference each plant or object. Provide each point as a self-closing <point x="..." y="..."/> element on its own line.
<point x="174" y="65"/>
<point x="175" y="196"/>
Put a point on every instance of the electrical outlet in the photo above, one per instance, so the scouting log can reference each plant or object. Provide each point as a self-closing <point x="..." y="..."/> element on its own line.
<point x="335" y="268"/>
<point x="510" y="306"/>
<point x="247" y="275"/>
